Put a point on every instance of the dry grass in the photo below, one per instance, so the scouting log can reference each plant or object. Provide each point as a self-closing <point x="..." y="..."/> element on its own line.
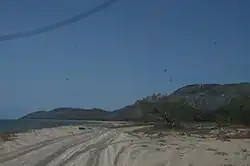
<point x="221" y="153"/>
<point x="158" y="149"/>
<point x="123" y="125"/>
<point x="212" y="149"/>
<point x="7" y="136"/>
<point x="242" y="135"/>
<point x="223" y="137"/>
<point x="201" y="130"/>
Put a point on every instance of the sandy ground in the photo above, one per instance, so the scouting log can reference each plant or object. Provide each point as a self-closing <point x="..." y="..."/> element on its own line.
<point x="69" y="146"/>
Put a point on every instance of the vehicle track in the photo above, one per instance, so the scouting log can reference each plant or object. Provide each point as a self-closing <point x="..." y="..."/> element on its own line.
<point x="62" y="150"/>
<point x="123" y="149"/>
<point x="96" y="147"/>
<point x="71" y="148"/>
<point x="30" y="148"/>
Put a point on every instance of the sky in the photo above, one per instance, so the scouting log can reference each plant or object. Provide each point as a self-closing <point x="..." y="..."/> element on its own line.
<point x="118" y="55"/>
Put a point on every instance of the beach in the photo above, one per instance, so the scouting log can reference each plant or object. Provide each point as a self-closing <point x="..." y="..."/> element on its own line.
<point x="120" y="146"/>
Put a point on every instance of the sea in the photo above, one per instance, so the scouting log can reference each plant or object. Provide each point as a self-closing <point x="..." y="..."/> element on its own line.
<point x="23" y="125"/>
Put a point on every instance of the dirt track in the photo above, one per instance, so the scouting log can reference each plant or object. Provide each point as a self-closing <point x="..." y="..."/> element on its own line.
<point x="117" y="147"/>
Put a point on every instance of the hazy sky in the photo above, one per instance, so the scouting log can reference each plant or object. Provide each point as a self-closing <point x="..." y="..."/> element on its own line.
<point x="118" y="55"/>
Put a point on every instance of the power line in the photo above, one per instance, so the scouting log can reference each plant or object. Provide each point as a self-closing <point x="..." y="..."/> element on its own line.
<point x="58" y="24"/>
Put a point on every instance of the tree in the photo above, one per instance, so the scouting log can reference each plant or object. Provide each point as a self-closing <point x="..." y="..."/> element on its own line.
<point x="165" y="116"/>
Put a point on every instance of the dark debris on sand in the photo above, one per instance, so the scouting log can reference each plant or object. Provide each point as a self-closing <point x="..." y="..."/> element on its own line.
<point x="7" y="136"/>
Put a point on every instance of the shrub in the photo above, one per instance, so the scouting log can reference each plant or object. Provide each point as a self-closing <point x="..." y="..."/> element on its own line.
<point x="7" y="136"/>
<point x="237" y="111"/>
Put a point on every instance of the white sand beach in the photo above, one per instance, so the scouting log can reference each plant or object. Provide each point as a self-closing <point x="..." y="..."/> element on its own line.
<point x="69" y="146"/>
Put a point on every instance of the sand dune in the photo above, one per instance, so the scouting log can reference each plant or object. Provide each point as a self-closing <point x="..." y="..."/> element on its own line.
<point x="68" y="146"/>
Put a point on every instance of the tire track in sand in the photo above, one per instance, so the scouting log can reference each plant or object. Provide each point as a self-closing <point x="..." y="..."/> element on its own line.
<point x="137" y="143"/>
<point x="96" y="149"/>
<point x="30" y="148"/>
<point x="122" y="150"/>
<point x="63" y="149"/>
<point x="95" y="154"/>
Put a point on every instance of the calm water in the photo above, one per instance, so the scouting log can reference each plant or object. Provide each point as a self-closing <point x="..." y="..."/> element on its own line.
<point x="25" y="125"/>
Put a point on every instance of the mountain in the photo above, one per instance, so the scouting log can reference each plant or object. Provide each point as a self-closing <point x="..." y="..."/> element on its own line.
<point x="208" y="97"/>
<point x="70" y="114"/>
<point x="130" y="112"/>
<point x="184" y="104"/>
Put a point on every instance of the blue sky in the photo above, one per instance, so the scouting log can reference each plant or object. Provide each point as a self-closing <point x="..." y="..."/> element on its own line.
<point x="118" y="55"/>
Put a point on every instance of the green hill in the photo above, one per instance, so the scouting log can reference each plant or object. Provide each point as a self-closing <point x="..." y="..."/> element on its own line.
<point x="237" y="111"/>
<point x="198" y="102"/>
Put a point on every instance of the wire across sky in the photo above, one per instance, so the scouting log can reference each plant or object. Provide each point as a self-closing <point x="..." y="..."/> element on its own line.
<point x="57" y="25"/>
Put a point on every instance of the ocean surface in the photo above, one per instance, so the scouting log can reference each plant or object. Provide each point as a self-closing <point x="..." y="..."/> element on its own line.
<point x="25" y="125"/>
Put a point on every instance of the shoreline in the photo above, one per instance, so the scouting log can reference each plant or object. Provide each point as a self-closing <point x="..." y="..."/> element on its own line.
<point x="121" y="146"/>
<point x="24" y="125"/>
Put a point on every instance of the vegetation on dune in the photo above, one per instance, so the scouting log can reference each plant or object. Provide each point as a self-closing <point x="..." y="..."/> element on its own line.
<point x="175" y="110"/>
<point x="167" y="113"/>
<point x="7" y="136"/>
<point x="236" y="112"/>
